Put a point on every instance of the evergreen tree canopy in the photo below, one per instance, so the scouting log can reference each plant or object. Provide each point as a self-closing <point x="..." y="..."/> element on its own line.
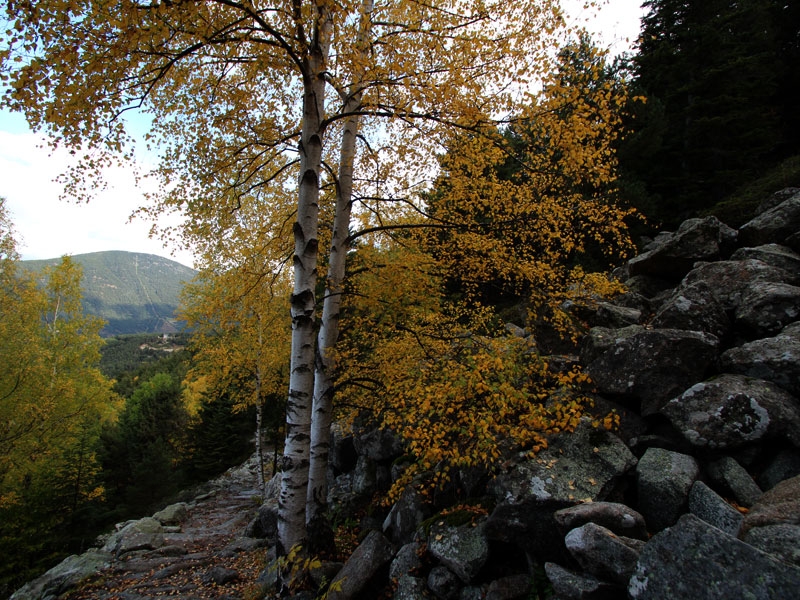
<point x="716" y="75"/>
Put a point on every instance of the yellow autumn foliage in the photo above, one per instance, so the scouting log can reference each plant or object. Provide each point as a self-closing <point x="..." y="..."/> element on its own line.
<point x="440" y="375"/>
<point x="532" y="210"/>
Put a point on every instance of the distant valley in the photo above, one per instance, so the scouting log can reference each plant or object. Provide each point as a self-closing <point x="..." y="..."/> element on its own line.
<point x="133" y="292"/>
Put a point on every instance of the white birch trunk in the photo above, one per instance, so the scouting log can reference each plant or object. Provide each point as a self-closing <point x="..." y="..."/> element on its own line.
<point x="294" y="478"/>
<point x="262" y="484"/>
<point x="325" y="365"/>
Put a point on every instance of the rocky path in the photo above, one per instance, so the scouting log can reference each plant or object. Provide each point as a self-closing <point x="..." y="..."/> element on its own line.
<point x="205" y="556"/>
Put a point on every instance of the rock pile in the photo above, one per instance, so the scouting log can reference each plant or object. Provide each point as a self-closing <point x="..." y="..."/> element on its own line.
<point x="698" y="493"/>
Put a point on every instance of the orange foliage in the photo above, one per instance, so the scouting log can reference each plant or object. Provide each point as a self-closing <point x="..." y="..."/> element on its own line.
<point x="532" y="209"/>
<point x="457" y="395"/>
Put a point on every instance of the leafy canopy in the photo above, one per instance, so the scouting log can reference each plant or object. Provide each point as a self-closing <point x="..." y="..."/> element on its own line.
<point x="53" y="400"/>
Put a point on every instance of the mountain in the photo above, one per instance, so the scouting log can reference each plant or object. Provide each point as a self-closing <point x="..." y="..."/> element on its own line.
<point x="133" y="292"/>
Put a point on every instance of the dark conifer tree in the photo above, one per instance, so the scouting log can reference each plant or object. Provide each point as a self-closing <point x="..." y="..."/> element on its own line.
<point x="143" y="452"/>
<point x="712" y="72"/>
<point x="221" y="438"/>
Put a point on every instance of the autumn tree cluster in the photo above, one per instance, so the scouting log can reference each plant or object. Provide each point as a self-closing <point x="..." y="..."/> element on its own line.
<point x="53" y="404"/>
<point x="80" y="451"/>
<point x="379" y="169"/>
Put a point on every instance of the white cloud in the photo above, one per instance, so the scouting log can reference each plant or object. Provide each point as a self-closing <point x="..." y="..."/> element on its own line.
<point x="48" y="227"/>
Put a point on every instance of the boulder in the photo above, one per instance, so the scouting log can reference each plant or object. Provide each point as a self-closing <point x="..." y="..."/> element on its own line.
<point x="377" y="443"/>
<point x="775" y="359"/>
<point x="583" y="465"/>
<point x="672" y="256"/>
<point x="792" y="330"/>
<point x="653" y="365"/>
<point x="733" y="481"/>
<point x="767" y="307"/>
<point x="611" y="315"/>
<point x="320" y="574"/>
<point x="220" y="576"/>
<point x="265" y="524"/>
<point x="781" y="541"/>
<point x="569" y="585"/>
<point x="646" y="287"/>
<point x="664" y="479"/>
<point x="410" y="588"/>
<point x="694" y="307"/>
<point x="472" y="592"/>
<point x="371" y="556"/>
<point x="733" y="410"/>
<point x="463" y="549"/>
<point x="340" y="493"/>
<point x="365" y="476"/>
<point x="511" y="587"/>
<point x="602" y="553"/>
<point x="472" y="480"/>
<point x="530" y="526"/>
<point x="601" y="339"/>
<point x="174" y="514"/>
<point x="64" y="576"/>
<point x="774" y="225"/>
<point x="696" y="561"/>
<point x="784" y="465"/>
<point x="634" y="300"/>
<point x="405" y="516"/>
<point x="775" y="199"/>
<point x="144" y="534"/>
<point x="406" y="560"/>
<point x="793" y="242"/>
<point x="443" y="583"/>
<point x="709" y="506"/>
<point x="731" y="279"/>
<point x="781" y="504"/>
<point x="618" y="518"/>
<point x="772" y="254"/>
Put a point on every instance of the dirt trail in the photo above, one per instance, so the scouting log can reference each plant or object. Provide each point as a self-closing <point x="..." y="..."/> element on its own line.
<point x="207" y="558"/>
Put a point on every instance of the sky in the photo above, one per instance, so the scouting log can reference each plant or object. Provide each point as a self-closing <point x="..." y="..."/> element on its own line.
<point x="47" y="227"/>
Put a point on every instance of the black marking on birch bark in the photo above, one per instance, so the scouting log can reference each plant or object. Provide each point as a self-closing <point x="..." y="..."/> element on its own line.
<point x="314" y="140"/>
<point x="312" y="246"/>
<point x="310" y="177"/>
<point x="302" y="299"/>
<point x="304" y="319"/>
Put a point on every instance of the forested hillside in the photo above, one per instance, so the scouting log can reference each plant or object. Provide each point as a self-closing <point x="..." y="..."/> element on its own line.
<point x="92" y="431"/>
<point x="131" y="292"/>
<point x="720" y="130"/>
<point x="405" y="215"/>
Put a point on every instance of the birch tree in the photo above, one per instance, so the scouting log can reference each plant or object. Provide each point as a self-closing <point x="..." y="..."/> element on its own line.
<point x="247" y="99"/>
<point x="239" y="331"/>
